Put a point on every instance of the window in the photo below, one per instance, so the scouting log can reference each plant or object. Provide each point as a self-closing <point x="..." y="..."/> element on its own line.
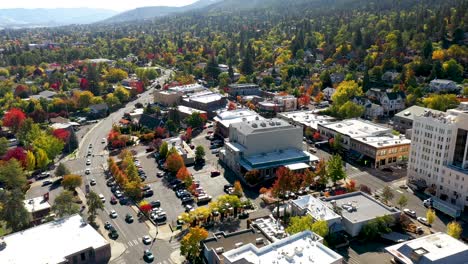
<point x="83" y="256"/>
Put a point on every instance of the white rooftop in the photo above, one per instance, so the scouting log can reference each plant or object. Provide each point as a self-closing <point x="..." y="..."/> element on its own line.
<point x="189" y="110"/>
<point x="307" y="118"/>
<point x="253" y="126"/>
<point x="435" y="248"/>
<point x="357" y="128"/>
<point x="297" y="166"/>
<point x="189" y="88"/>
<point x="50" y="242"/>
<point x="299" y="248"/>
<point x="226" y="118"/>
<point x="204" y="97"/>
<point x="316" y="208"/>
<point x="383" y="140"/>
<point x="270" y="227"/>
<point x="36" y="204"/>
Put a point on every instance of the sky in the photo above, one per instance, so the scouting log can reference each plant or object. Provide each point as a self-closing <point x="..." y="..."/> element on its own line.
<point x="118" y="5"/>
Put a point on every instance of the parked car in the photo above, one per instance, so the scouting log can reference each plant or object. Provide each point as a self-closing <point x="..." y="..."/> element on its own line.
<point x="92" y="182"/>
<point x="113" y="200"/>
<point x="146" y="187"/>
<point x="181" y="193"/>
<point x="312" y="150"/>
<point x="113" y="214"/>
<point x="129" y="218"/>
<point x="87" y="171"/>
<point x="423" y="221"/>
<point x="101" y="196"/>
<point x="88" y="162"/>
<point x="227" y="186"/>
<point x="188" y="208"/>
<point x="107" y="225"/>
<point x="410" y="212"/>
<point x="160" y="174"/>
<point x="113" y="233"/>
<point x="187" y="200"/>
<point x="155" y="204"/>
<point x="215" y="151"/>
<point x="46" y="182"/>
<point x="148" y="193"/>
<point x="43" y="175"/>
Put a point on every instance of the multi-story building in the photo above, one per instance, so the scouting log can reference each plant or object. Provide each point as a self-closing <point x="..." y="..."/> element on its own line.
<point x="306" y="118"/>
<point x="366" y="141"/>
<point x="243" y="89"/>
<point x="264" y="145"/>
<point x="226" y="118"/>
<point x="279" y="104"/>
<point x="206" y="101"/>
<point x="391" y="102"/>
<point x="173" y="95"/>
<point x="441" y="85"/>
<point x="439" y="154"/>
<point x="403" y="121"/>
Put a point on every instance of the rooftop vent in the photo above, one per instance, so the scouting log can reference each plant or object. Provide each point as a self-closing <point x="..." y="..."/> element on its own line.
<point x="238" y="245"/>
<point x="219" y="250"/>
<point x="407" y="113"/>
<point x="254" y="125"/>
<point x="257" y="118"/>
<point x="259" y="240"/>
<point x="244" y="119"/>
<point x="263" y="124"/>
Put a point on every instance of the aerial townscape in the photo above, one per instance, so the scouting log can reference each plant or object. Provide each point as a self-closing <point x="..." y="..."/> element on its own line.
<point x="234" y="132"/>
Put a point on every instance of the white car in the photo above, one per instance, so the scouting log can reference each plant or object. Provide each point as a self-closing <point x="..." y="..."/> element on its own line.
<point x="103" y="199"/>
<point x="113" y="214"/>
<point x="146" y="240"/>
<point x="88" y="162"/>
<point x="90" y="145"/>
<point x="87" y="171"/>
<point x="410" y="212"/>
<point x="103" y="141"/>
<point x="423" y="220"/>
<point x="92" y="182"/>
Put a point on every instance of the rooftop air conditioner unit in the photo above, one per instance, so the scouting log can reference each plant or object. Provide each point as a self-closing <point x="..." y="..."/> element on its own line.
<point x="238" y="245"/>
<point x="219" y="250"/>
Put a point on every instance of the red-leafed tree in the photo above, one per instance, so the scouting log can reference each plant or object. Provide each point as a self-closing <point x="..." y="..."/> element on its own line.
<point x="183" y="174"/>
<point x="188" y="134"/>
<point x="17" y="153"/>
<point x="304" y="99"/>
<point x="160" y="132"/>
<point x="174" y="162"/>
<point x="117" y="143"/>
<point x="316" y="136"/>
<point x="61" y="134"/>
<point x="21" y="91"/>
<point x="14" y="119"/>
<point x="84" y="84"/>
<point x="145" y="207"/>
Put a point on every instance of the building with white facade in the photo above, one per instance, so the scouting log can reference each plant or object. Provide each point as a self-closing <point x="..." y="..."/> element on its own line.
<point x="182" y="148"/>
<point x="205" y="100"/>
<point x="438" y="248"/>
<point x="67" y="240"/>
<point x="38" y="208"/>
<point x="278" y="104"/>
<point x="391" y="102"/>
<point x="173" y="95"/>
<point x="369" y="142"/>
<point x="263" y="145"/>
<point x="226" y="118"/>
<point x="439" y="154"/>
<point x="306" y="118"/>
<point x="299" y="248"/>
<point x="403" y="120"/>
<point x="318" y="210"/>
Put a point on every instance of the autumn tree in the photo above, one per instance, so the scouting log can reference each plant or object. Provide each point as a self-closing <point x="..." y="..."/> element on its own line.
<point x="50" y="144"/>
<point x="115" y="75"/>
<point x="184" y="175"/>
<point x="41" y="159"/>
<point x="18" y="154"/>
<point x="441" y="102"/>
<point x="364" y="188"/>
<point x="252" y="177"/>
<point x="64" y="204"/>
<point x="335" y="169"/>
<point x="430" y="216"/>
<point x="387" y="194"/>
<point x="13" y="119"/>
<point x="145" y="207"/>
<point x="402" y="201"/>
<point x="132" y="190"/>
<point x="12" y="174"/>
<point x="13" y="211"/>
<point x="454" y="229"/>
<point x="238" y="189"/>
<point x="174" y="162"/>
<point x="71" y="181"/>
<point x="94" y="204"/>
<point x="30" y="161"/>
<point x="321" y="172"/>
<point x="190" y="244"/>
<point x="298" y="224"/>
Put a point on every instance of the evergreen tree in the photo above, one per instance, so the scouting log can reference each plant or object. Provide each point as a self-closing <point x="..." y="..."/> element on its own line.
<point x="247" y="66"/>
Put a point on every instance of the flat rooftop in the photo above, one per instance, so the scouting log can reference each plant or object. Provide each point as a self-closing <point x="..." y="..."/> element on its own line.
<point x="275" y="159"/>
<point x="316" y="208"/>
<point x="226" y="118"/>
<point x="384" y="140"/>
<point x="307" y="118"/>
<point x="357" y="128"/>
<point x="259" y="126"/>
<point x="189" y="110"/>
<point x="410" y="112"/>
<point x="299" y="248"/>
<point x="204" y="97"/>
<point x="228" y="241"/>
<point x="270" y="227"/>
<point x="50" y="242"/>
<point x="366" y="207"/>
<point x="189" y="88"/>
<point x="36" y="204"/>
<point x="435" y="248"/>
<point x="243" y="85"/>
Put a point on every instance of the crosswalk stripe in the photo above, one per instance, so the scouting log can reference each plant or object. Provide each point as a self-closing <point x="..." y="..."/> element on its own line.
<point x="130" y="243"/>
<point x="135" y="241"/>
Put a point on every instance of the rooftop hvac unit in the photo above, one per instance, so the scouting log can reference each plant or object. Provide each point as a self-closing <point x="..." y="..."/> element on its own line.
<point x="263" y="124"/>
<point x="259" y="240"/>
<point x="219" y="250"/>
<point x="238" y="245"/>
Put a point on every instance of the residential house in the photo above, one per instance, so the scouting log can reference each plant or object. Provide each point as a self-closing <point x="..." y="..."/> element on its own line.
<point x="243" y="89"/>
<point x="392" y="102"/>
<point x="371" y="110"/>
<point x="98" y="111"/>
<point x="328" y="93"/>
<point x="38" y="208"/>
<point x="441" y="85"/>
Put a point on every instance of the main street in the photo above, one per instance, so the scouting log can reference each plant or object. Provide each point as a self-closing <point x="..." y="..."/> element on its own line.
<point x="129" y="241"/>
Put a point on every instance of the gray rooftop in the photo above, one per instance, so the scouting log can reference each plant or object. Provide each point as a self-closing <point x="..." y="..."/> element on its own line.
<point x="410" y="112"/>
<point x="258" y="126"/>
<point x="367" y="208"/>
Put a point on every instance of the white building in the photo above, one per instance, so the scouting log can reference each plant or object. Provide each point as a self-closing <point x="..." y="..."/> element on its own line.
<point x="439" y="154"/>
<point x="263" y="145"/>
<point x="299" y="248"/>
<point x="438" y="248"/>
<point x="226" y="118"/>
<point x="306" y="118"/>
<point x="38" y="207"/>
<point x="318" y="210"/>
<point x="67" y="240"/>
<point x="279" y="104"/>
<point x="182" y="148"/>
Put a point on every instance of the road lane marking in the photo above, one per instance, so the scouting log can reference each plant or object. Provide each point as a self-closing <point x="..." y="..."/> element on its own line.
<point x="399" y="191"/>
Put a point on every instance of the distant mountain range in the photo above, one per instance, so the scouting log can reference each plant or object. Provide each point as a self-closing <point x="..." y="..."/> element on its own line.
<point x="150" y="12"/>
<point x="42" y="17"/>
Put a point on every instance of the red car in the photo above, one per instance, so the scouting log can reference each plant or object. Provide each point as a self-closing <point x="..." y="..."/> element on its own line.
<point x="215" y="173"/>
<point x="113" y="200"/>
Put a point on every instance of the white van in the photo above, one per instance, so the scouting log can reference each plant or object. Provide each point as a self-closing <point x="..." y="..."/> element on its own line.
<point x="103" y="199"/>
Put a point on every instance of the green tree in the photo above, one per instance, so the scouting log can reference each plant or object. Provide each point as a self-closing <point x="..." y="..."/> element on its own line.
<point x="28" y="132"/>
<point x="441" y="102"/>
<point x="115" y="75"/>
<point x="387" y="194"/>
<point x="41" y="159"/>
<point x="64" y="204"/>
<point x="30" y="161"/>
<point x="298" y="224"/>
<point x="335" y="169"/>
<point x="375" y="227"/>
<point x="132" y="190"/>
<point x="12" y="175"/>
<point x="71" y="181"/>
<point x="247" y="66"/>
<point x="212" y="70"/>
<point x="195" y="120"/>
<point x="84" y="99"/>
<point x="62" y="170"/>
<point x="112" y="101"/>
<point x="190" y="244"/>
<point x="171" y="126"/>
<point x="453" y="70"/>
<point x="430" y="216"/>
<point x="454" y="229"/>
<point x="402" y="201"/>
<point x="122" y="94"/>
<point x="427" y="49"/>
<point x="345" y="91"/>
<point x="223" y="79"/>
<point x="3" y="146"/>
<point x="163" y="150"/>
<point x="326" y="79"/>
<point x="199" y="153"/>
<point x="350" y="110"/>
<point x="94" y="204"/>
<point x="13" y="211"/>
<point x="320" y="228"/>
<point x="50" y="144"/>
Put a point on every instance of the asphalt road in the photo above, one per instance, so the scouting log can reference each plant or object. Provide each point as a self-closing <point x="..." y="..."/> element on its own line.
<point x="130" y="235"/>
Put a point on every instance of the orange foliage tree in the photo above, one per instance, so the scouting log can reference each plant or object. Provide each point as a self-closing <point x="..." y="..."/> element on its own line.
<point x="174" y="162"/>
